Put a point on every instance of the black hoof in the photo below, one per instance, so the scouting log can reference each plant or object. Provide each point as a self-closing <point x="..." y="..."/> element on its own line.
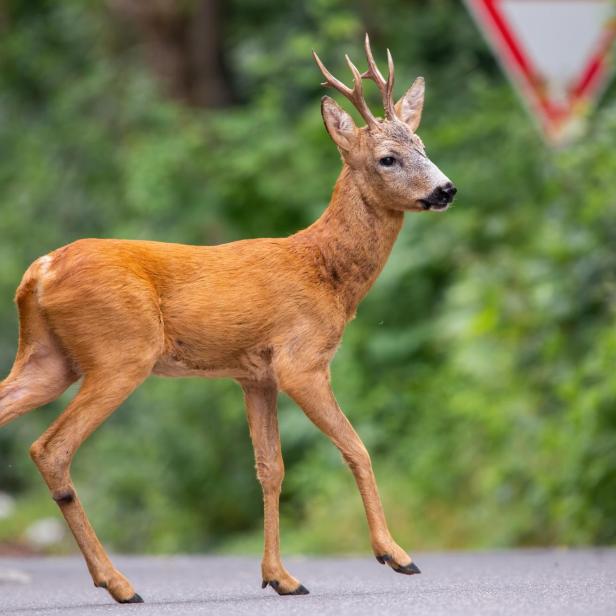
<point x="273" y="583"/>
<point x="385" y="558"/>
<point x="134" y="599"/>
<point x="300" y="590"/>
<point x="410" y="569"/>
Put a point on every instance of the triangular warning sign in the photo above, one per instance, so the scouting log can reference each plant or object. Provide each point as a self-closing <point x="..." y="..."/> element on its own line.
<point x="556" y="52"/>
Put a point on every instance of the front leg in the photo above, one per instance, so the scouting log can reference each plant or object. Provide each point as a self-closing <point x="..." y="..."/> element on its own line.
<point x="263" y="424"/>
<point x="312" y="392"/>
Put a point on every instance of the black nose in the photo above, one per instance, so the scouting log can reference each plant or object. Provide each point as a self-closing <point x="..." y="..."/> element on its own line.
<point x="440" y="197"/>
<point x="446" y="192"/>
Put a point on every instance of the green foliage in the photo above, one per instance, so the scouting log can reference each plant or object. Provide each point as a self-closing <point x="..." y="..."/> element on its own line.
<point x="479" y="369"/>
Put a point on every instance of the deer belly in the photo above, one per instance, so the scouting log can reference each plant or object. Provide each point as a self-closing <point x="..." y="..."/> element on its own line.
<point x="254" y="364"/>
<point x="171" y="366"/>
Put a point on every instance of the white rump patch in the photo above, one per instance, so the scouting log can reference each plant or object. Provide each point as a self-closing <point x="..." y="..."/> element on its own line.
<point x="44" y="264"/>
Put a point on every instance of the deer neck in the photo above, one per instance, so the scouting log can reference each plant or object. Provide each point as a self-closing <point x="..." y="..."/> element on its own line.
<point x="353" y="238"/>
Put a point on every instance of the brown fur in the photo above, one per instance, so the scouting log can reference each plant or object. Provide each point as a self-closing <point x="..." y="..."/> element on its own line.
<point x="268" y="313"/>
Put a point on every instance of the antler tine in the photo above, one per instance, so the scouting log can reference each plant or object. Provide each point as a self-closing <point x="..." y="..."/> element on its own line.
<point x="373" y="70"/>
<point x="391" y="78"/>
<point x="385" y="86"/>
<point x="358" y="93"/>
<point x="355" y="95"/>
<point x="330" y="80"/>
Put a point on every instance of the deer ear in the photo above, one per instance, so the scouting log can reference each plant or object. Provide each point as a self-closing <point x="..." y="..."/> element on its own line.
<point x="409" y="107"/>
<point x="339" y="124"/>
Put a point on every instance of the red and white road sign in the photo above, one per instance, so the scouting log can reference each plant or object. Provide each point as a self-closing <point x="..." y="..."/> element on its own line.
<point x="556" y="53"/>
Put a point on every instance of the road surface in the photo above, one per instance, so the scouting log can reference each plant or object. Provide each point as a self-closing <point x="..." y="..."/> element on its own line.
<point x="526" y="582"/>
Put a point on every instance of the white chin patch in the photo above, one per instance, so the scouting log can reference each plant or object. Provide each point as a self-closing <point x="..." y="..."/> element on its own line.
<point x="439" y="208"/>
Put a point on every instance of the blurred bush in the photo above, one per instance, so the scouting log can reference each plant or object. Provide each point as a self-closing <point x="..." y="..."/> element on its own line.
<point x="479" y="370"/>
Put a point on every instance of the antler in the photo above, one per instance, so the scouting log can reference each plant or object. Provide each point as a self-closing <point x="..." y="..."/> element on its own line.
<point x="356" y="94"/>
<point x="386" y="87"/>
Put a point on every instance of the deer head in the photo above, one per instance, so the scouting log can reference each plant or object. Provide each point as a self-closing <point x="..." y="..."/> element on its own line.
<point x="387" y="157"/>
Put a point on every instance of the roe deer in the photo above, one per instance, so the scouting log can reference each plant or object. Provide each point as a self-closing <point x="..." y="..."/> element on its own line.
<point x="268" y="313"/>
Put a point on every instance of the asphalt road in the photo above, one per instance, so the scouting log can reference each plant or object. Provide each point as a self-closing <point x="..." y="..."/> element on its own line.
<point x="533" y="582"/>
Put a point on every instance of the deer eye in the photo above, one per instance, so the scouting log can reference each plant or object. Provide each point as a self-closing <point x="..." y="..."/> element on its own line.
<point x="387" y="161"/>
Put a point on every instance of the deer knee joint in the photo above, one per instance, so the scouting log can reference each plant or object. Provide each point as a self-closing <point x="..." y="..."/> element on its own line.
<point x="270" y="475"/>
<point x="63" y="497"/>
<point x="358" y="460"/>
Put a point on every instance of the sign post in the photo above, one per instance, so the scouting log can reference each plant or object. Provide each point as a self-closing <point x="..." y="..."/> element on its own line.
<point x="555" y="52"/>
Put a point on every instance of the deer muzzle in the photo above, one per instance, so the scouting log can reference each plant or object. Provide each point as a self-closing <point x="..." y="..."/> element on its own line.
<point x="440" y="198"/>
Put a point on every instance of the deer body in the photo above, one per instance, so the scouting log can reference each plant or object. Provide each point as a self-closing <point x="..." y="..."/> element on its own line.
<point x="244" y="310"/>
<point x="268" y="313"/>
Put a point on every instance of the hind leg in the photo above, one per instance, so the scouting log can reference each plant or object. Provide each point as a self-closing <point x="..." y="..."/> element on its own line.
<point x="38" y="377"/>
<point x="102" y="391"/>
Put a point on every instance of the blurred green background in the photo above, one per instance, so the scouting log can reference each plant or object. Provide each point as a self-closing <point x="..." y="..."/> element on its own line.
<point x="480" y="368"/>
